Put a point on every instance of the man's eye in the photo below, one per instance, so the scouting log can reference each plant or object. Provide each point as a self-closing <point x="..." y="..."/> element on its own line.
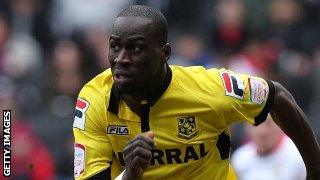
<point x="137" y="48"/>
<point x="114" y="47"/>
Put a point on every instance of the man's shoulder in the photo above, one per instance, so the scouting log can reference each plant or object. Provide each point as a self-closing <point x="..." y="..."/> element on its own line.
<point x="92" y="101"/>
<point x="101" y="81"/>
<point x="98" y="86"/>
<point x="197" y="77"/>
<point x="190" y="69"/>
<point x="194" y="73"/>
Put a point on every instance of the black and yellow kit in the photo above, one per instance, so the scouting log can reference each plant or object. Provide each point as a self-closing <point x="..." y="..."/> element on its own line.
<point x="190" y="116"/>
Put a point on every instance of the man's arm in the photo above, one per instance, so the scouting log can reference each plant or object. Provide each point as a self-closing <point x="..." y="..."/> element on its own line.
<point x="292" y="120"/>
<point x="93" y="150"/>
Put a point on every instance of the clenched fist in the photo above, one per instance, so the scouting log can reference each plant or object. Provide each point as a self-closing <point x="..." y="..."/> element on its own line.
<point x="137" y="155"/>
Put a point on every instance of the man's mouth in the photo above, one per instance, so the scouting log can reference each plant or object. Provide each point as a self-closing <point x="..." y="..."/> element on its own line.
<point x="122" y="76"/>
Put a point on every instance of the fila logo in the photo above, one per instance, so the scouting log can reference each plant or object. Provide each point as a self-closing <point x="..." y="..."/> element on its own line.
<point x="80" y="113"/>
<point x="233" y="84"/>
<point x="119" y="130"/>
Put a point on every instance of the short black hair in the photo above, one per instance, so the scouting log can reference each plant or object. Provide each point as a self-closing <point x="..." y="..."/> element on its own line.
<point x="159" y="21"/>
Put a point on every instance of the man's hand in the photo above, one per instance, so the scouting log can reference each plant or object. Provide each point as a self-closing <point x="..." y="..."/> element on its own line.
<point x="137" y="156"/>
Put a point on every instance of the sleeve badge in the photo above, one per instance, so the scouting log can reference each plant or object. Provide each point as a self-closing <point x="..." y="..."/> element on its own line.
<point x="79" y="158"/>
<point x="258" y="91"/>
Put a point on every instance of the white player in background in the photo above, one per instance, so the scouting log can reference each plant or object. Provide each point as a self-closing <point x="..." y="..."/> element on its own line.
<point x="269" y="155"/>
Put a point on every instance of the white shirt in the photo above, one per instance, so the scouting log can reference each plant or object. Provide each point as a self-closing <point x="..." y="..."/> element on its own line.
<point x="284" y="163"/>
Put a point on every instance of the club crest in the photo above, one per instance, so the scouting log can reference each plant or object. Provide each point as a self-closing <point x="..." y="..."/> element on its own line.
<point x="187" y="127"/>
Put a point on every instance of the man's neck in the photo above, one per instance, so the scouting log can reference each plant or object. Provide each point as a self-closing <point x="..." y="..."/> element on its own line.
<point x="134" y="100"/>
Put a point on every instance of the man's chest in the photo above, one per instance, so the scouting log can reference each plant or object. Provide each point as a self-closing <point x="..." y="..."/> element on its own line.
<point x="182" y="134"/>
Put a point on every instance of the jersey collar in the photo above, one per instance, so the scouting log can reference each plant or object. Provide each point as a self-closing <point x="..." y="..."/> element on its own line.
<point x="115" y="95"/>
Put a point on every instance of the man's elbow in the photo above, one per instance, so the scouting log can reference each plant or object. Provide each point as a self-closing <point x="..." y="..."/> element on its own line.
<point x="283" y="101"/>
<point x="281" y="95"/>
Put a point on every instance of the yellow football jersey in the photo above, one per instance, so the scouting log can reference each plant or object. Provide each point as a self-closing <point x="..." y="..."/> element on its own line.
<point x="190" y="117"/>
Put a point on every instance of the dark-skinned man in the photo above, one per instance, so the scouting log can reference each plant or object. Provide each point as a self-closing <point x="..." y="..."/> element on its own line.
<point x="143" y="119"/>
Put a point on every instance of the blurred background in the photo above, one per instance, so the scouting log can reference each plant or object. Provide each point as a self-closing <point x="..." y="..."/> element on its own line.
<point x="50" y="49"/>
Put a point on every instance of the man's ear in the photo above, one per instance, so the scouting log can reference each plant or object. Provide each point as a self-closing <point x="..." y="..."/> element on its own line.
<point x="166" y="52"/>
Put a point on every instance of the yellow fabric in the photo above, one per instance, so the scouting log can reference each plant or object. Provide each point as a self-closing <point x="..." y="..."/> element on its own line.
<point x="195" y="93"/>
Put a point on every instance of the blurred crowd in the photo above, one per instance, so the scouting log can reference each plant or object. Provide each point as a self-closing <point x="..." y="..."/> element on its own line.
<point x="50" y="49"/>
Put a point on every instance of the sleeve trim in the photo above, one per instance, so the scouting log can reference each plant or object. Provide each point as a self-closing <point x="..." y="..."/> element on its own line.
<point x="267" y="107"/>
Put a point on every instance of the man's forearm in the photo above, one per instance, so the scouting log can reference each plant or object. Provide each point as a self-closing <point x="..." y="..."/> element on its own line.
<point x="292" y="120"/>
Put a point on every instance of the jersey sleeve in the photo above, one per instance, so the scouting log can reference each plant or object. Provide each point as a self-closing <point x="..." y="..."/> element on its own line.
<point x="92" y="149"/>
<point x="245" y="98"/>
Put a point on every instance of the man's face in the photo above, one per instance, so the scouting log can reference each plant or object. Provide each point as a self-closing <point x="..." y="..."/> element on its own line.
<point x="134" y="54"/>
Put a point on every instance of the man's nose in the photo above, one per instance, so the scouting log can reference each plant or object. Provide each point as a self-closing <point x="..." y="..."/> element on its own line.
<point x="123" y="57"/>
